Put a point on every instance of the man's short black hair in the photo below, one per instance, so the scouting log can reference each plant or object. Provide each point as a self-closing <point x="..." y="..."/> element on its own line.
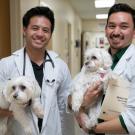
<point x="122" y="7"/>
<point x="39" y="11"/>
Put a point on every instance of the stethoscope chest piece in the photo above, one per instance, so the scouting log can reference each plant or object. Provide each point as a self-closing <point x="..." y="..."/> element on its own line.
<point x="50" y="74"/>
<point x="50" y="82"/>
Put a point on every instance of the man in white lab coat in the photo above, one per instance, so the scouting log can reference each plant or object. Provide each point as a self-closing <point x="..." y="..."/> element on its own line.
<point x="120" y="31"/>
<point x="46" y="67"/>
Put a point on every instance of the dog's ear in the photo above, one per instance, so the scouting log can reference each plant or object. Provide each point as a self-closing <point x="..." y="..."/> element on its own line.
<point x="7" y="91"/>
<point x="107" y="60"/>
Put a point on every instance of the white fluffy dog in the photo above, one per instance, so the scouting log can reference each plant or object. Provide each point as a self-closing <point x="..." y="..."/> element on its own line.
<point x="19" y="93"/>
<point x="97" y="67"/>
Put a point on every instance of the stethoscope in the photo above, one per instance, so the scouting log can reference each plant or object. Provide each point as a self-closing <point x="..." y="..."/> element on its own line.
<point x="45" y="60"/>
<point x="49" y="82"/>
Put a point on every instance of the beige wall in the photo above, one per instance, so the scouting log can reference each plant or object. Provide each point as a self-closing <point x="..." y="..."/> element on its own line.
<point x="93" y="25"/>
<point x="17" y="10"/>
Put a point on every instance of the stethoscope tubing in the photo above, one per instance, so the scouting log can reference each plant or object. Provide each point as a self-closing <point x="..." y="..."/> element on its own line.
<point x="45" y="60"/>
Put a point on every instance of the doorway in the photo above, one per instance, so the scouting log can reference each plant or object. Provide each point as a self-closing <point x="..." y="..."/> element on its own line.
<point x="5" y="43"/>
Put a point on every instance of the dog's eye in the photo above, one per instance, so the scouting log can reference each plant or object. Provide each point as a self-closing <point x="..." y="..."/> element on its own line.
<point x="94" y="58"/>
<point x="22" y="87"/>
<point x="88" y="58"/>
<point x="13" y="87"/>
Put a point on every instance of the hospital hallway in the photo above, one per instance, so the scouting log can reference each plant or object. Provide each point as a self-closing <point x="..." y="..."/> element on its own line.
<point x="76" y="29"/>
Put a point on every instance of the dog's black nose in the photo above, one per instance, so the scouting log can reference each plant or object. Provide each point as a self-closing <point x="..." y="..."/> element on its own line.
<point x="86" y="63"/>
<point x="15" y="95"/>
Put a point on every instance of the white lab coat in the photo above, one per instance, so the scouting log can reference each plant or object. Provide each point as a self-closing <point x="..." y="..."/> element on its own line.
<point x="126" y="68"/>
<point x="53" y="95"/>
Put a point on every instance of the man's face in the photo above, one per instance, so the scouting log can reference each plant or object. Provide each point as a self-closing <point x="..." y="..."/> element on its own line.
<point x="38" y="32"/>
<point x="120" y="30"/>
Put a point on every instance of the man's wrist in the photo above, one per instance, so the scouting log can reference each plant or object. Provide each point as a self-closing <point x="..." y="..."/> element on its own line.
<point x="82" y="108"/>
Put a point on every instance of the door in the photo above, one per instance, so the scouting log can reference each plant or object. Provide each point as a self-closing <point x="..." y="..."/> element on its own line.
<point x="5" y="45"/>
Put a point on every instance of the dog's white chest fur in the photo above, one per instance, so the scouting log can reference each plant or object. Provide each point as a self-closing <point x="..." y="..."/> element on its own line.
<point x="83" y="81"/>
<point x="96" y="68"/>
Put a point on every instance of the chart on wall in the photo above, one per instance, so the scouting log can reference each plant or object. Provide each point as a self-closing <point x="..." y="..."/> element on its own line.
<point x="95" y="39"/>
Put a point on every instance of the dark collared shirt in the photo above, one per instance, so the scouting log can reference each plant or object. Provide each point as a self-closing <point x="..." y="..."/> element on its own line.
<point x="116" y="57"/>
<point x="38" y="71"/>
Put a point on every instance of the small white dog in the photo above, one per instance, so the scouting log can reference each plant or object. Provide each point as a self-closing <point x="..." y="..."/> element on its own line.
<point x="97" y="67"/>
<point x="19" y="93"/>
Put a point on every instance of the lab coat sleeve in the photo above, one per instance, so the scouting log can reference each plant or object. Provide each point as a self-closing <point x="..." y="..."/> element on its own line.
<point x="4" y="70"/>
<point x="67" y="121"/>
<point x="3" y="74"/>
<point x="64" y="88"/>
<point x="129" y="114"/>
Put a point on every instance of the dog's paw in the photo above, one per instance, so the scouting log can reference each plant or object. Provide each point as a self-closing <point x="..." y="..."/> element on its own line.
<point x="3" y="129"/>
<point x="89" y="124"/>
<point x="39" y="111"/>
<point x="77" y="99"/>
<point x="75" y="107"/>
<point x="28" y="131"/>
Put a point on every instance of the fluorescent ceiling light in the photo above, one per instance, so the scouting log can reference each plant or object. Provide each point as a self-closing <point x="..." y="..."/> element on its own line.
<point x="42" y="3"/>
<point x="104" y="3"/>
<point x="101" y="16"/>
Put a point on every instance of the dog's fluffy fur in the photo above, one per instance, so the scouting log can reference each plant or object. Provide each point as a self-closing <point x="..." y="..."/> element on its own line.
<point x="97" y="66"/>
<point x="19" y="93"/>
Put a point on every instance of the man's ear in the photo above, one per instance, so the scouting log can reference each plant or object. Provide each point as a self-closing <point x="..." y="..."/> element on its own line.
<point x="24" y="31"/>
<point x="134" y="33"/>
<point x="7" y="90"/>
<point x="106" y="30"/>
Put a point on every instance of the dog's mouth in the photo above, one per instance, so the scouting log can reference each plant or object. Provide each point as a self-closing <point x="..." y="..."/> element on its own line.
<point x="21" y="100"/>
<point x="91" y="68"/>
<point x="28" y="103"/>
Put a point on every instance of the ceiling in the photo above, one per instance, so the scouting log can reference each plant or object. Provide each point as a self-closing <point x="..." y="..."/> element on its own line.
<point x="86" y="10"/>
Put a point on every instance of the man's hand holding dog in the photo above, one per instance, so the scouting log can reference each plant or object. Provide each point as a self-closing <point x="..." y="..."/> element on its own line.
<point x="90" y="96"/>
<point x="5" y="113"/>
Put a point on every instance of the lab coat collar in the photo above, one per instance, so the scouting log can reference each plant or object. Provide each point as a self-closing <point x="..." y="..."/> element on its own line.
<point x="20" y="63"/>
<point x="121" y="65"/>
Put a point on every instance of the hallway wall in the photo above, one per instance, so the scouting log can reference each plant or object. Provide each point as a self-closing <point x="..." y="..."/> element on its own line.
<point x="17" y="10"/>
